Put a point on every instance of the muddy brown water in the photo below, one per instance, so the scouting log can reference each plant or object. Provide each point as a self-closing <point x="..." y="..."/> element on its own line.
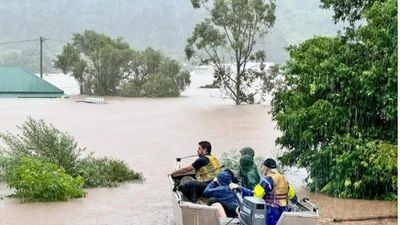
<point x="149" y="134"/>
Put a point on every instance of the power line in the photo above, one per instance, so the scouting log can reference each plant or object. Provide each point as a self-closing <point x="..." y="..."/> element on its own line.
<point x="63" y="41"/>
<point x="47" y="49"/>
<point x="29" y="59"/>
<point x="13" y="42"/>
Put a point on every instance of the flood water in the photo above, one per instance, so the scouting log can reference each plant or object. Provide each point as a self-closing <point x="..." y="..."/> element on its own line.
<point x="149" y="134"/>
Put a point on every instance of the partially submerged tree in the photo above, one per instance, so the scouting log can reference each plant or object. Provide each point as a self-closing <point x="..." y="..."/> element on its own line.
<point x="155" y="75"/>
<point x="227" y="41"/>
<point x="104" y="66"/>
<point x="98" y="62"/>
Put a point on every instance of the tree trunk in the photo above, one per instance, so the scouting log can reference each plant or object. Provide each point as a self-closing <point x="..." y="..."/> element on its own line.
<point x="238" y="96"/>
<point x="80" y="89"/>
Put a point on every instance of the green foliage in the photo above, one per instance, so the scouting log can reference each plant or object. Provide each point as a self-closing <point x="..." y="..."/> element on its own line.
<point x="98" y="62"/>
<point x="5" y="163"/>
<point x="45" y="149"/>
<point x="104" y="66"/>
<point x="348" y="10"/>
<point x="106" y="172"/>
<point x="297" y="20"/>
<point x="227" y="41"/>
<point x="358" y="169"/>
<point x="155" y="76"/>
<point x="337" y="108"/>
<point x="36" y="180"/>
<point x="159" y="86"/>
<point x="44" y="142"/>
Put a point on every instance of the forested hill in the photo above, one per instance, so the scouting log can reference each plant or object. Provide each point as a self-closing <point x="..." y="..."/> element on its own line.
<point x="160" y="24"/>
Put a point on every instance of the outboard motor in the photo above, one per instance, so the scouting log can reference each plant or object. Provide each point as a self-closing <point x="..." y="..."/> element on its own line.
<point x="252" y="211"/>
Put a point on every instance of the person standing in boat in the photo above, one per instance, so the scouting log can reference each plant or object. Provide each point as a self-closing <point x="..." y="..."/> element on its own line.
<point x="206" y="168"/>
<point x="274" y="189"/>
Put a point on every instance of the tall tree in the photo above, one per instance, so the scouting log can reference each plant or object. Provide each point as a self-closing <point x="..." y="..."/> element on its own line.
<point x="345" y="10"/>
<point x="155" y="75"/>
<point x="98" y="62"/>
<point x="229" y="37"/>
<point x="337" y="109"/>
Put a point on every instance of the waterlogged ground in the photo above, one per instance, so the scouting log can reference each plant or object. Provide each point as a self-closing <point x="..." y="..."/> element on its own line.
<point x="148" y="134"/>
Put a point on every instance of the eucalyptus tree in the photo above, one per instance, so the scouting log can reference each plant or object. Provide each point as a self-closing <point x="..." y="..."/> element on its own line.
<point x="226" y="40"/>
<point x="98" y="62"/>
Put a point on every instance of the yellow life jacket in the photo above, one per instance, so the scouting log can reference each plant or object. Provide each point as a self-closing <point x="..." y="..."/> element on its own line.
<point x="209" y="171"/>
<point x="278" y="197"/>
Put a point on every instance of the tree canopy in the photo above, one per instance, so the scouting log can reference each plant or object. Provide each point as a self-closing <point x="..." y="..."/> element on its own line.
<point x="337" y="108"/>
<point x="348" y="10"/>
<point x="226" y="40"/>
<point x="104" y="66"/>
<point x="155" y="75"/>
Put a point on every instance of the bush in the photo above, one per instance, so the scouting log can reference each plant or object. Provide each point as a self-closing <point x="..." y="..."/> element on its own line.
<point x="50" y="149"/>
<point x="106" y="172"/>
<point x="354" y="168"/>
<point x="36" y="180"/>
<point x="44" y="142"/>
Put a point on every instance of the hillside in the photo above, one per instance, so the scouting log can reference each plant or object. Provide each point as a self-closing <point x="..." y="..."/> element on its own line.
<point x="160" y="24"/>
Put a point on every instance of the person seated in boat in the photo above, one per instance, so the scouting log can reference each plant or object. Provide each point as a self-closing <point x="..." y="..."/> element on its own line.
<point x="206" y="168"/>
<point x="248" y="172"/>
<point x="221" y="196"/>
<point x="274" y="189"/>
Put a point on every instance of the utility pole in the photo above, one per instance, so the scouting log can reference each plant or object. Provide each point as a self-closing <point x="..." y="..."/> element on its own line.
<point x="41" y="56"/>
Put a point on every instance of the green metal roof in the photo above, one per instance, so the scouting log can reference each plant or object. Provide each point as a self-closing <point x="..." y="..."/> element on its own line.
<point x="17" y="82"/>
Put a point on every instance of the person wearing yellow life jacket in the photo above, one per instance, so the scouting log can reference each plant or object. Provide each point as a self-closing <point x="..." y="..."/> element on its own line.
<point x="206" y="168"/>
<point x="274" y="189"/>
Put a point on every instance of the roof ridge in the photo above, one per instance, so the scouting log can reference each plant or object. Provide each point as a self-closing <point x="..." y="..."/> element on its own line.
<point x="17" y="69"/>
<point x="37" y="77"/>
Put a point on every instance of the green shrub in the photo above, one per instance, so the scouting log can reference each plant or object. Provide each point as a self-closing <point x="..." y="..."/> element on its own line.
<point x="36" y="180"/>
<point x="47" y="144"/>
<point x="44" y="142"/>
<point x="354" y="168"/>
<point x="106" y="172"/>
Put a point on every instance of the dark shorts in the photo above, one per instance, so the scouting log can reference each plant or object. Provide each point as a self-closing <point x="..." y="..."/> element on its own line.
<point x="193" y="190"/>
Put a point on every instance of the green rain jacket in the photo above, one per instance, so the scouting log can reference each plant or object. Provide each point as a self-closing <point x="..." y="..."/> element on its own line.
<point x="248" y="172"/>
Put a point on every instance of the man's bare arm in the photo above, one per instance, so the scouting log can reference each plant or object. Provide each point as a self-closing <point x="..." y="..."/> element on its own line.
<point x="182" y="170"/>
